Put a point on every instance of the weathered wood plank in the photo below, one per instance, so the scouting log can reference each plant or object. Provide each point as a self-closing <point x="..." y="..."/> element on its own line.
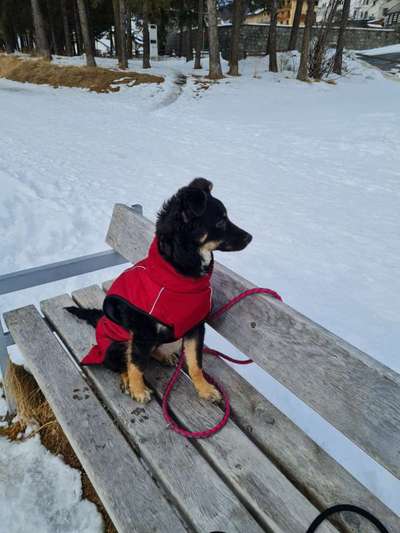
<point x="93" y="297"/>
<point x="354" y="392"/>
<point x="240" y="462"/>
<point x="272" y="498"/>
<point x="308" y="466"/>
<point x="131" y="498"/>
<point x="199" y="492"/>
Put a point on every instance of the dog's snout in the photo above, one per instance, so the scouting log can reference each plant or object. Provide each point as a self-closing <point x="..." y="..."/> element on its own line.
<point x="248" y="238"/>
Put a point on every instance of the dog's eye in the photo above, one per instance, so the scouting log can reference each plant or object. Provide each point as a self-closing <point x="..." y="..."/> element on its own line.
<point x="221" y="224"/>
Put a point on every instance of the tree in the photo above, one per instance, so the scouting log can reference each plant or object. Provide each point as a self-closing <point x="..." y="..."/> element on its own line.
<point x="273" y="64"/>
<point x="6" y="28"/>
<point x="317" y="66"/>
<point x="302" y="73"/>
<point x="337" y="65"/>
<point x="296" y="23"/>
<point x="87" y="42"/>
<point x="52" y="28"/>
<point x="42" y="44"/>
<point x="215" y="71"/>
<point x="119" y="7"/>
<point x="235" y="38"/>
<point x="199" y="37"/>
<point x="146" y="35"/>
<point x="129" y="40"/>
<point x="67" y="29"/>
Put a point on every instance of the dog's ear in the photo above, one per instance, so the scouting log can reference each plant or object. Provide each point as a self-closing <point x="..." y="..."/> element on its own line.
<point x="194" y="203"/>
<point x="202" y="184"/>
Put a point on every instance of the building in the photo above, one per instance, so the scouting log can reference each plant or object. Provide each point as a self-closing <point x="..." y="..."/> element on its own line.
<point x="286" y="10"/>
<point x="392" y="17"/>
<point x="373" y="11"/>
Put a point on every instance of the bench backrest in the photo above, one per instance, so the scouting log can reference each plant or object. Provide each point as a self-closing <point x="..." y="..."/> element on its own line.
<point x="351" y="390"/>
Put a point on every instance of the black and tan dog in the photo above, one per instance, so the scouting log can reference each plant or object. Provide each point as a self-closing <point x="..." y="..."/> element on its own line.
<point x="190" y="227"/>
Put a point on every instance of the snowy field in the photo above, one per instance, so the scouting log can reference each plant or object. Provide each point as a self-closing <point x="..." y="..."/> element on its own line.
<point x="311" y="170"/>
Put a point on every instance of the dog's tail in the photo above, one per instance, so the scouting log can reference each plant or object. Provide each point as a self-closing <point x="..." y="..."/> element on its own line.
<point x="91" y="316"/>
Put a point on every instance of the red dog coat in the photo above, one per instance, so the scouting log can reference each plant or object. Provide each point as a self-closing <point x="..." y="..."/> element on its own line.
<point x="155" y="287"/>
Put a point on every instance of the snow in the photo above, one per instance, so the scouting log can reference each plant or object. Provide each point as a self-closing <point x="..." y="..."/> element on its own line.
<point x="391" y="49"/>
<point x="311" y="170"/>
<point x="38" y="492"/>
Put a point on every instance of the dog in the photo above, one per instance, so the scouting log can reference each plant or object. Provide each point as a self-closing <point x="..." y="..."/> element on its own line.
<point x="164" y="300"/>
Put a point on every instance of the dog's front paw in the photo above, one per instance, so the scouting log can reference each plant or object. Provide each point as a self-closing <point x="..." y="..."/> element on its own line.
<point x="142" y="396"/>
<point x="208" y="392"/>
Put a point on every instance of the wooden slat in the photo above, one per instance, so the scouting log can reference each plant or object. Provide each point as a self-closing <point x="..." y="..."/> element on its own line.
<point x="199" y="492"/>
<point x="307" y="465"/>
<point x="131" y="498"/>
<point x="353" y="391"/>
<point x="277" y="504"/>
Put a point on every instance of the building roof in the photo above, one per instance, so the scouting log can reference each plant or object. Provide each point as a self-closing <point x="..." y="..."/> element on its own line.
<point x="394" y="9"/>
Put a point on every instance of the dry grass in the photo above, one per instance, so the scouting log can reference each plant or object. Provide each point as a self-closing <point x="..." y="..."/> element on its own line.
<point x="96" y="79"/>
<point x="33" y="408"/>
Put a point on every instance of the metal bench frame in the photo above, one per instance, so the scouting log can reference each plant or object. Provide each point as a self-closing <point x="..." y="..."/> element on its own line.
<point x="34" y="277"/>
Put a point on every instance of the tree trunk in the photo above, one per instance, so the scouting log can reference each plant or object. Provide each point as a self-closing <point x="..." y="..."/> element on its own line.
<point x="199" y="36"/>
<point x="180" y="39"/>
<point x="129" y="41"/>
<point x="123" y="62"/>
<point x="320" y="45"/>
<point x="110" y="36"/>
<point x="42" y="43"/>
<point x="296" y="24"/>
<point x="273" y="63"/>
<point x="189" y="43"/>
<point x="86" y="34"/>
<point x="6" y="29"/>
<point x="337" y="65"/>
<point x="78" y="34"/>
<point x="302" y="74"/>
<point x="50" y="18"/>
<point x="120" y="41"/>
<point x="146" y="36"/>
<point x="67" y="29"/>
<point x="215" y="71"/>
<point x="235" y="38"/>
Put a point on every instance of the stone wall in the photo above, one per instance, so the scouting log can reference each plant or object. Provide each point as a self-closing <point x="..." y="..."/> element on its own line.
<point x="253" y="38"/>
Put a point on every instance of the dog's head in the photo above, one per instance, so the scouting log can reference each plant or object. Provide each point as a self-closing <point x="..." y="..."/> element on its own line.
<point x="192" y="224"/>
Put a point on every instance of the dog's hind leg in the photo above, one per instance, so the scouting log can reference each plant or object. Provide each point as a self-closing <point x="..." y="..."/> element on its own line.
<point x="168" y="354"/>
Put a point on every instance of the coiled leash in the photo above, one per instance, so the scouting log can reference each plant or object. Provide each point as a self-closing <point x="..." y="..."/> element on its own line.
<point x="349" y="508"/>
<point x="208" y="432"/>
<point x="338" y="509"/>
<point x="227" y="409"/>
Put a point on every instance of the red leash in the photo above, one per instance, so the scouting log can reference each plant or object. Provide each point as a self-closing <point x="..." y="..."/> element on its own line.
<point x="227" y="409"/>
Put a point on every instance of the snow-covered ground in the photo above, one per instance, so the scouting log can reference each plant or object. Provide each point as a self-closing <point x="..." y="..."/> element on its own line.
<point x="39" y="492"/>
<point x="311" y="170"/>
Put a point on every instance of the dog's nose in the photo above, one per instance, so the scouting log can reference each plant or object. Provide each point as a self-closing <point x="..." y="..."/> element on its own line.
<point x="248" y="238"/>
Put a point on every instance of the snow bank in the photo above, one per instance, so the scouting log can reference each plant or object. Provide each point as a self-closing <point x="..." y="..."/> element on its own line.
<point x="38" y="492"/>
<point x="391" y="49"/>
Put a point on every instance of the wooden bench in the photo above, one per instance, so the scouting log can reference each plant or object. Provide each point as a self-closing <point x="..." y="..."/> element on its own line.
<point x="261" y="472"/>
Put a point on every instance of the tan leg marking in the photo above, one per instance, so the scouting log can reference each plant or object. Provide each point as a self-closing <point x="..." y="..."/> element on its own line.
<point x="132" y="379"/>
<point x="205" y="390"/>
<point x="168" y="354"/>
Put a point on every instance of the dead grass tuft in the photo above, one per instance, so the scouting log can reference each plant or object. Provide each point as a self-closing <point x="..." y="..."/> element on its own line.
<point x="96" y="79"/>
<point x="33" y="409"/>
